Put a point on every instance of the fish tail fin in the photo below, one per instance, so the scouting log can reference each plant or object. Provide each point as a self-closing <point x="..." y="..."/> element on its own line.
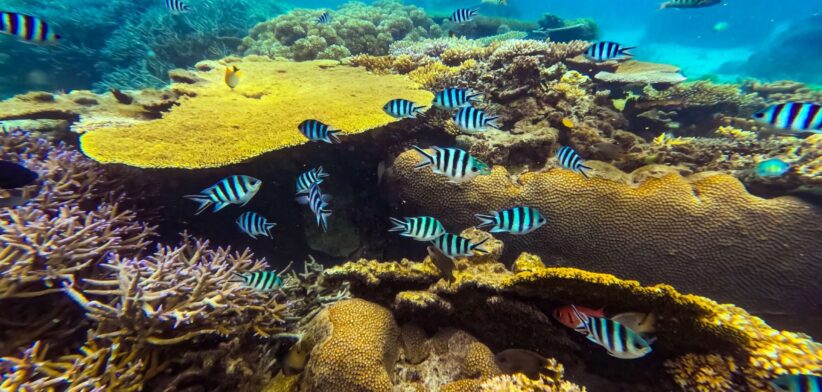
<point x="238" y="275"/>
<point x="202" y="200"/>
<point x="478" y="246"/>
<point x="321" y="173"/>
<point x="582" y="169"/>
<point x="332" y="137"/>
<point x="474" y="11"/>
<point x="427" y="159"/>
<point x="303" y="199"/>
<point x="398" y="225"/>
<point x="268" y="228"/>
<point x="474" y="97"/>
<point x="491" y="121"/>
<point x="627" y="51"/>
<point x="322" y="219"/>
<point x="418" y="109"/>
<point x="663" y="6"/>
<point x="487" y="220"/>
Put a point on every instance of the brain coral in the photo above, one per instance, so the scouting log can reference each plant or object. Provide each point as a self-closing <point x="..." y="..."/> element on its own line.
<point x="705" y="234"/>
<point x="258" y="116"/>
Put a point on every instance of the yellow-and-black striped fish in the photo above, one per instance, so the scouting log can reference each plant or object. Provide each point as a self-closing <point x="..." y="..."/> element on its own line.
<point x="27" y="28"/>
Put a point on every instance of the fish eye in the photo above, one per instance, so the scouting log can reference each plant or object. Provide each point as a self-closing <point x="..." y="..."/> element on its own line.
<point x="759" y="115"/>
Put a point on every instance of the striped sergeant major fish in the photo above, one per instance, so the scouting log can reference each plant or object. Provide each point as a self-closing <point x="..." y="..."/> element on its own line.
<point x="318" y="132"/>
<point x="177" y="6"/>
<point x="455" y="97"/>
<point x="797" y="383"/>
<point x="462" y="15"/>
<point x="325" y="18"/>
<point x="516" y="220"/>
<point x="795" y="116"/>
<point x="471" y="119"/>
<point x="569" y="159"/>
<point x="453" y="246"/>
<point x="456" y="164"/>
<point x="605" y="50"/>
<point x="311" y="177"/>
<point x="402" y="108"/>
<point x="229" y="190"/>
<point x="27" y="28"/>
<point x="261" y="280"/>
<point x="688" y="4"/>
<point x="420" y="228"/>
<point x="255" y="224"/>
<point x="620" y="341"/>
<point x="318" y="204"/>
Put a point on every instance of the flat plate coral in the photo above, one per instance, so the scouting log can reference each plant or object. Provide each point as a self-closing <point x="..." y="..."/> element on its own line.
<point x="214" y="126"/>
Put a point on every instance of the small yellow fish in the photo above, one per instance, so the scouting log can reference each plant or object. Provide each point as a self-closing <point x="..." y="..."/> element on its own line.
<point x="568" y="122"/>
<point x="232" y="76"/>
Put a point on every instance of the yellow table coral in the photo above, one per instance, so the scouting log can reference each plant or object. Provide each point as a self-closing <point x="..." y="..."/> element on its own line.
<point x="214" y="126"/>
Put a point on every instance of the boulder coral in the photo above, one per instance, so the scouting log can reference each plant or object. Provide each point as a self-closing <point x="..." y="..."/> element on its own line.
<point x="260" y="115"/>
<point x="705" y="234"/>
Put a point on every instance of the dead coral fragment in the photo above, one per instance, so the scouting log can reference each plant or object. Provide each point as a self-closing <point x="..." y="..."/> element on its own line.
<point x="549" y="381"/>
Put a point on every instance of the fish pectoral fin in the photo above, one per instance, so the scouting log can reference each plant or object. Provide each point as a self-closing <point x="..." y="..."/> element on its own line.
<point x="219" y="206"/>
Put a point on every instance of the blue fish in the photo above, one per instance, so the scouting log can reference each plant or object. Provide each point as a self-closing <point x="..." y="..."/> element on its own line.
<point x="569" y="159"/>
<point x="318" y="204"/>
<point x="453" y="245"/>
<point x="462" y="15"/>
<point x="773" y="167"/>
<point x="420" y="228"/>
<point x="318" y="132"/>
<point x="797" y="383"/>
<point x="620" y="341"/>
<point x="177" y="6"/>
<point x="230" y="190"/>
<point x="255" y="224"/>
<point x="325" y="18"/>
<point x="27" y="28"/>
<point x="471" y="119"/>
<point x="604" y="51"/>
<point x="517" y="220"/>
<point x="261" y="280"/>
<point x="795" y="116"/>
<point x="456" y="164"/>
<point x="402" y="108"/>
<point x="455" y="97"/>
<point x="311" y="177"/>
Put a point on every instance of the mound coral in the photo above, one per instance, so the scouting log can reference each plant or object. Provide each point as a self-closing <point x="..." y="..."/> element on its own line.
<point x="260" y="115"/>
<point x="355" y="28"/>
<point x="680" y="231"/>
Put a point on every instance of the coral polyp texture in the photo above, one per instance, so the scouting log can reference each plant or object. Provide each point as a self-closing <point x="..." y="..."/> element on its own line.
<point x="704" y="234"/>
<point x="258" y="116"/>
<point x="485" y="297"/>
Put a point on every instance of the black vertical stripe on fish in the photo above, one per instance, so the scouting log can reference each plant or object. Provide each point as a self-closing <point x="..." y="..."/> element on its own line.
<point x="325" y="18"/>
<point x="569" y="159"/>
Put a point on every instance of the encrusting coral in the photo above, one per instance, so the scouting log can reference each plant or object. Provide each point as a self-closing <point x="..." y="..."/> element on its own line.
<point x="682" y="231"/>
<point x="260" y="115"/>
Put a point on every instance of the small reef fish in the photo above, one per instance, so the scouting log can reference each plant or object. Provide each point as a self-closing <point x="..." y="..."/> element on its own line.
<point x="402" y="108"/>
<point x="311" y="177"/>
<point x="570" y="159"/>
<point x="797" y="383"/>
<point x="721" y="26"/>
<point x="568" y="123"/>
<point x="420" y="228"/>
<point x="177" y="6"/>
<point x="255" y="224"/>
<point x="27" y="28"/>
<point x="773" y="167"/>
<point x="261" y="280"/>
<point x="318" y="132"/>
<point x="605" y="50"/>
<point x="516" y="220"/>
<point x="325" y="18"/>
<point x="516" y="360"/>
<point x="443" y="262"/>
<point x="318" y="204"/>
<point x="620" y="341"/>
<point x="14" y="176"/>
<point x="795" y="116"/>
<point x="567" y="317"/>
<point x="462" y="15"/>
<point x="456" y="164"/>
<point x="688" y="4"/>
<point x="455" y="97"/>
<point x="641" y="323"/>
<point x="453" y="245"/>
<point x="230" y="190"/>
<point x="232" y="76"/>
<point x="471" y="119"/>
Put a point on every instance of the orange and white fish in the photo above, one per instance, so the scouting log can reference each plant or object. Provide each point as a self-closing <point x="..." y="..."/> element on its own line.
<point x="566" y="316"/>
<point x="232" y="76"/>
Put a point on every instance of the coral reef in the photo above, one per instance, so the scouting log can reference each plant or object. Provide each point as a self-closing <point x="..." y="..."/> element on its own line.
<point x="355" y="28"/>
<point x="682" y="230"/>
<point x="260" y="115"/>
<point x="790" y="54"/>
<point x="564" y="30"/>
